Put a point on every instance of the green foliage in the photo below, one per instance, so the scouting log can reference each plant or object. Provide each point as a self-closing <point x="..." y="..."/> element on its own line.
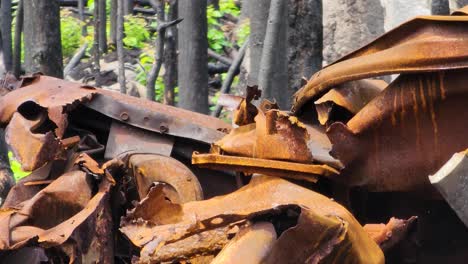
<point x="15" y="167"/>
<point x="146" y="63"/>
<point x="70" y="28"/>
<point x="136" y="32"/>
<point x="217" y="41"/>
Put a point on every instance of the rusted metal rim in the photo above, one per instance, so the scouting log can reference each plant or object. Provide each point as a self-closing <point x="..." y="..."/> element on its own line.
<point x="419" y="45"/>
<point x="292" y="170"/>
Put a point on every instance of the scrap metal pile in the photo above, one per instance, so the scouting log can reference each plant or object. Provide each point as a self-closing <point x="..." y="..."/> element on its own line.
<point x="119" y="179"/>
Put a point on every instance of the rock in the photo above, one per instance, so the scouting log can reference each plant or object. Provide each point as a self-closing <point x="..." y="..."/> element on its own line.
<point x="399" y="11"/>
<point x="349" y="25"/>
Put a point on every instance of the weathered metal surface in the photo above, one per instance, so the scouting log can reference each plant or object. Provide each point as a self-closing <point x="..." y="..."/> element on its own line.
<point x="291" y="170"/>
<point x="452" y="182"/>
<point x="159" y="118"/>
<point x="339" y="239"/>
<point x="424" y="44"/>
<point x="125" y="139"/>
<point x="406" y="133"/>
<point x="178" y="180"/>
<point x="250" y="245"/>
<point x="31" y="148"/>
<point x="389" y="235"/>
<point x="351" y="96"/>
<point x="47" y="92"/>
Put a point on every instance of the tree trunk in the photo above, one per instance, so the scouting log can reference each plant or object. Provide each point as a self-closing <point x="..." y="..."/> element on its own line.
<point x="273" y="75"/>
<point x="120" y="47"/>
<point x="81" y="5"/>
<point x="257" y="11"/>
<point x="440" y="7"/>
<point x="6" y="19"/>
<point x="43" y="49"/>
<point x="170" y="56"/>
<point x="305" y="42"/>
<point x="193" y="58"/>
<point x="6" y="176"/>
<point x="17" y="40"/>
<point x="158" y="53"/>
<point x="102" y="27"/>
<point x="113" y="22"/>
<point x="128" y="7"/>
<point x="97" y="28"/>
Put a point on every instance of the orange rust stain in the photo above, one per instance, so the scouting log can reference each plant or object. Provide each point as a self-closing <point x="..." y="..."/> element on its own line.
<point x="402" y="104"/>
<point x="416" y="117"/>
<point x="432" y="98"/>
<point x="441" y="84"/>
<point x="395" y="107"/>
<point x="421" y="92"/>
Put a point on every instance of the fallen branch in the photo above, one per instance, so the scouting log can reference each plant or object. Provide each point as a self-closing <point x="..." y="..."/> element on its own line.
<point x="220" y="58"/>
<point x="230" y="76"/>
<point x="75" y="60"/>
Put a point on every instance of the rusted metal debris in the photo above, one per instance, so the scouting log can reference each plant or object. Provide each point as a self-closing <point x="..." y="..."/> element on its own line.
<point x="118" y="179"/>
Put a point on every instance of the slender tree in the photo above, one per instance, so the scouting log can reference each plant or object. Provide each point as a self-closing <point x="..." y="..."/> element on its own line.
<point x="102" y="26"/>
<point x="6" y="19"/>
<point x="193" y="58"/>
<point x="113" y="21"/>
<point x="120" y="47"/>
<point x="273" y="75"/>
<point x="96" y="45"/>
<point x="257" y="11"/>
<point x="81" y="6"/>
<point x="128" y="7"/>
<point x="170" y="56"/>
<point x="158" y="6"/>
<point x="43" y="49"/>
<point x="17" y="40"/>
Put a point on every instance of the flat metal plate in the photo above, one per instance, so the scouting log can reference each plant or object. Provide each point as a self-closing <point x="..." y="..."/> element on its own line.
<point x="128" y="139"/>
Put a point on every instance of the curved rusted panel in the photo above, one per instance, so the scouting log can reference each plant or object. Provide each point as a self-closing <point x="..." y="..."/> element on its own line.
<point x="424" y="44"/>
<point x="406" y="133"/>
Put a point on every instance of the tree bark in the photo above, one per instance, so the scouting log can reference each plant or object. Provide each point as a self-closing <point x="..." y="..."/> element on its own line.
<point x="6" y="19"/>
<point x="158" y="6"/>
<point x="120" y="47"/>
<point x="96" y="45"/>
<point x="170" y="56"/>
<point x="193" y="58"/>
<point x="440" y="7"/>
<point x="128" y="7"/>
<point x="81" y="5"/>
<point x="43" y="49"/>
<point x="305" y="42"/>
<point x="257" y="11"/>
<point x="17" y="40"/>
<point x="273" y="75"/>
<point x="113" y="21"/>
<point x="102" y="27"/>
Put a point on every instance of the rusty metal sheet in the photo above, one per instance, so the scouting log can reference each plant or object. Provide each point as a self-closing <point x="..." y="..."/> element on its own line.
<point x="406" y="133"/>
<point x="351" y="96"/>
<point x="157" y="117"/>
<point x="125" y="139"/>
<point x="291" y="170"/>
<point x="32" y="150"/>
<point x="47" y="92"/>
<point x="275" y="135"/>
<point x="339" y="237"/>
<point x="178" y="180"/>
<point x="389" y="235"/>
<point x="250" y="245"/>
<point x="423" y="44"/>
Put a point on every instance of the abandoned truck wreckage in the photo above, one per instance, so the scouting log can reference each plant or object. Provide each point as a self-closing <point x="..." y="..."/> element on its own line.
<point x="119" y="179"/>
